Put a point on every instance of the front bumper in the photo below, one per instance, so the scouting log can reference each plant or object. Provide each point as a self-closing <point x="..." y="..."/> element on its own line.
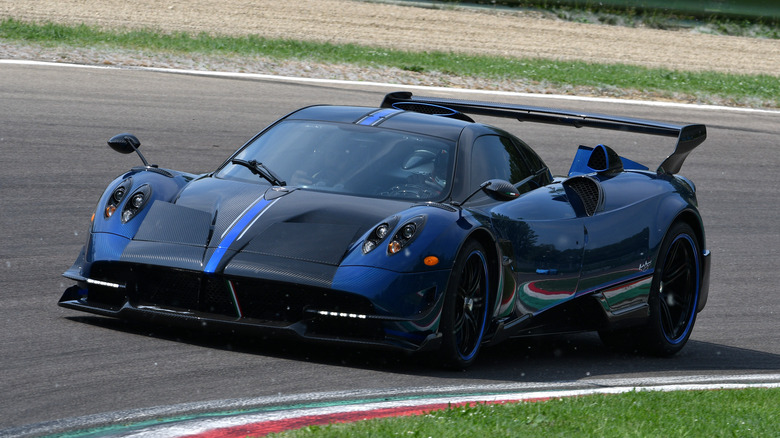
<point x="194" y="299"/>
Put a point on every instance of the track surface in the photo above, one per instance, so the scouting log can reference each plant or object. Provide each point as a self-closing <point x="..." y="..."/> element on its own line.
<point x="56" y="363"/>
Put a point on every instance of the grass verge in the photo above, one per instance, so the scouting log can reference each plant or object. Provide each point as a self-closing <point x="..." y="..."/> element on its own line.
<point x="748" y="412"/>
<point x="751" y="18"/>
<point x="744" y="90"/>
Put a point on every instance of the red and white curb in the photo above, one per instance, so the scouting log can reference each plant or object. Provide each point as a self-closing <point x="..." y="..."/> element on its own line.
<point x="264" y="415"/>
<point x="276" y="422"/>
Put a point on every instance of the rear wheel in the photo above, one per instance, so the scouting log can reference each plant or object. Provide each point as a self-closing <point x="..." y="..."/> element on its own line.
<point x="465" y="314"/>
<point x="675" y="292"/>
<point x="673" y="299"/>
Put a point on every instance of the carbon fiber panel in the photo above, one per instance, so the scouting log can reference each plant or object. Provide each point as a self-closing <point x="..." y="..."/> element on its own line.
<point x="171" y="223"/>
<point x="311" y="242"/>
<point x="285" y="270"/>
<point x="164" y="254"/>
<point x="230" y="208"/>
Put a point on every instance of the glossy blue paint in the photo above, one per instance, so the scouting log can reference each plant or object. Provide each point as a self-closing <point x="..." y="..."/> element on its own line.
<point x="402" y="295"/>
<point x="554" y="266"/>
<point x="106" y="246"/>
<point x="164" y="189"/>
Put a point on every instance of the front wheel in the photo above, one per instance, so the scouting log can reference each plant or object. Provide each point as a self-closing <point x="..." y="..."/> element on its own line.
<point x="465" y="314"/>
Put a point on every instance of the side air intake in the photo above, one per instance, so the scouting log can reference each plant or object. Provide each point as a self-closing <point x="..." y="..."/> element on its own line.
<point x="585" y="195"/>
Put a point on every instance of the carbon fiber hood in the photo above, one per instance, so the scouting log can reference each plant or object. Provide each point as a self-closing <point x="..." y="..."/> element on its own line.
<point x="247" y="229"/>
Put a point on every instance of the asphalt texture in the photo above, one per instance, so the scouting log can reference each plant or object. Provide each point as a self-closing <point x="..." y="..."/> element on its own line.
<point x="57" y="363"/>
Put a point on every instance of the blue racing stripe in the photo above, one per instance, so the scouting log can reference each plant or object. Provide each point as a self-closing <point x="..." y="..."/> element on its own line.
<point x="377" y="116"/>
<point x="234" y="233"/>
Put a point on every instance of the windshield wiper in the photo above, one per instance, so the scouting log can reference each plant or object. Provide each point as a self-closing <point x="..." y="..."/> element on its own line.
<point x="260" y="169"/>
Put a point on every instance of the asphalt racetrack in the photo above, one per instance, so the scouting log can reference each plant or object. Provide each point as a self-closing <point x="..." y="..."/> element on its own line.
<point x="57" y="363"/>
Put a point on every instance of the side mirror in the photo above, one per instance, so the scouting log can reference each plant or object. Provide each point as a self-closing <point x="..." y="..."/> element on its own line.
<point x="500" y="189"/>
<point x="124" y="143"/>
<point x="127" y="144"/>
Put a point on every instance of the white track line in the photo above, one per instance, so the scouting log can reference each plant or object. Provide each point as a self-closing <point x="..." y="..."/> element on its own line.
<point x="257" y="76"/>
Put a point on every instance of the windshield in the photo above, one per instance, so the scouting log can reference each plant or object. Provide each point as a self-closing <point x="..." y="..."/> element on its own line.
<point x="350" y="159"/>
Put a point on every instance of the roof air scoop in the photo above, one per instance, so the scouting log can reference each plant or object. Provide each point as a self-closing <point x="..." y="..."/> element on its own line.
<point x="436" y="110"/>
<point x="603" y="159"/>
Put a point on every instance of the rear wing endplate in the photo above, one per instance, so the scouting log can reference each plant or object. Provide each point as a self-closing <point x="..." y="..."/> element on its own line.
<point x="688" y="136"/>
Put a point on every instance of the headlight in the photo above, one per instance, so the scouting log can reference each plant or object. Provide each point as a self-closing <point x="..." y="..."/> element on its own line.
<point x="382" y="231"/>
<point x="378" y="234"/>
<point x="116" y="197"/>
<point x="137" y="201"/>
<point x="406" y="234"/>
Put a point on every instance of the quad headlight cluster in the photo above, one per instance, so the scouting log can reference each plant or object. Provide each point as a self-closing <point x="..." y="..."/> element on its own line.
<point x="136" y="202"/>
<point x="404" y="235"/>
<point x="116" y="197"/>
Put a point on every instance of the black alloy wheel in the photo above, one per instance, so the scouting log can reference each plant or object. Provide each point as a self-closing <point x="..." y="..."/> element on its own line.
<point x="464" y="319"/>
<point x="674" y="294"/>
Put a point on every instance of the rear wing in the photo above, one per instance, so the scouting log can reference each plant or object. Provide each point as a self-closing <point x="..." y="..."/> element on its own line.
<point x="688" y="136"/>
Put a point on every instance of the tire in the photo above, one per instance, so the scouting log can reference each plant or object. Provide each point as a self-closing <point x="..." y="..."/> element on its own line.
<point x="674" y="294"/>
<point x="466" y="305"/>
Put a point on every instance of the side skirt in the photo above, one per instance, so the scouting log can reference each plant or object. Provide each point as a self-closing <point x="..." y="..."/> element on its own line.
<point x="618" y="305"/>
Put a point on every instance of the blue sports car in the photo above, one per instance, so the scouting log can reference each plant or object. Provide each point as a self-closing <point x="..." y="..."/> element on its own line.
<point x="408" y="226"/>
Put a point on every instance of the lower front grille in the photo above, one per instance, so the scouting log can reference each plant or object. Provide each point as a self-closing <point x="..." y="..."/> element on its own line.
<point x="346" y="327"/>
<point x="255" y="299"/>
<point x="183" y="290"/>
<point x="170" y="289"/>
<point x="104" y="296"/>
<point x="277" y="301"/>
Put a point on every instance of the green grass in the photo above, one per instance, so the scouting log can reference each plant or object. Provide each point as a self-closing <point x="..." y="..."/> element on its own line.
<point x="750" y="90"/>
<point x="723" y="413"/>
<point x="744" y="13"/>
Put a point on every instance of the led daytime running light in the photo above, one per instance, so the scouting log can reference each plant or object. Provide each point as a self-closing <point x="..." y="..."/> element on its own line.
<point x="105" y="283"/>
<point x="342" y="314"/>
